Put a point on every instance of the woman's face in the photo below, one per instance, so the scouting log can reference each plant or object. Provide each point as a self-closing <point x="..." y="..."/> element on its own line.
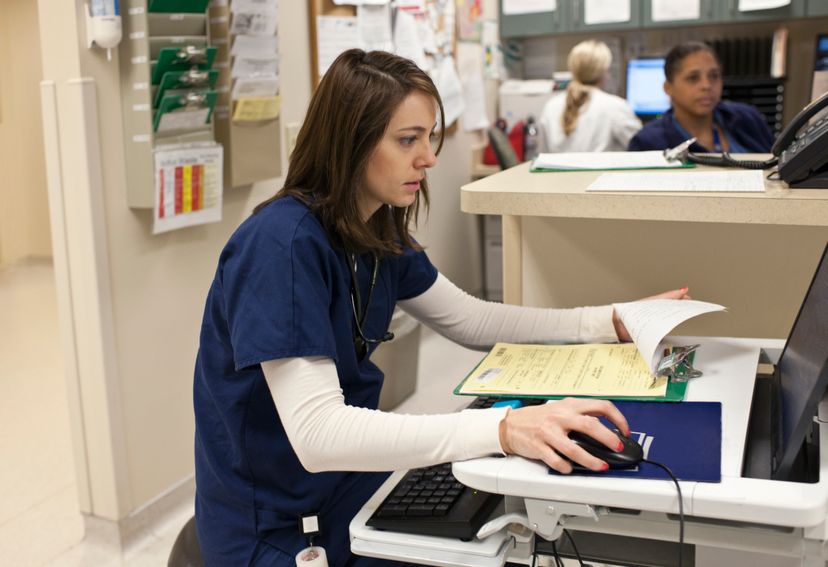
<point x="400" y="160"/>
<point x="696" y="87"/>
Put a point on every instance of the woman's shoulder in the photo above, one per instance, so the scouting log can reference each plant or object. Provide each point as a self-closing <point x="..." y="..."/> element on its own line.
<point x="283" y="221"/>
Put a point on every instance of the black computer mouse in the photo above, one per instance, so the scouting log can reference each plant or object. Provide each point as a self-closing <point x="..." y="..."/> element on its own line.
<point x="628" y="457"/>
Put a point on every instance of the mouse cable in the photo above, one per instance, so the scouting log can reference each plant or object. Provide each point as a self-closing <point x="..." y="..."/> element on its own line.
<point x="574" y="547"/>
<point x="558" y="560"/>
<point x="680" y="501"/>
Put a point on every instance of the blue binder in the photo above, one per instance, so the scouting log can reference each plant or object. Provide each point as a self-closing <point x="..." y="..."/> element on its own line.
<point x="685" y="436"/>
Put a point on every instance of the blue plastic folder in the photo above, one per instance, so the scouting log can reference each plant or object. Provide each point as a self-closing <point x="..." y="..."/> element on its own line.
<point x="685" y="436"/>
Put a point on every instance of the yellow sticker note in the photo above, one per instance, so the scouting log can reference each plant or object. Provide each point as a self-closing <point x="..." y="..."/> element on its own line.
<point x="562" y="370"/>
<point x="254" y="108"/>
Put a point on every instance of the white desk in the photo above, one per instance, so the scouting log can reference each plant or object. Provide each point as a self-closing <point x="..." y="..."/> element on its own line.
<point x="779" y="518"/>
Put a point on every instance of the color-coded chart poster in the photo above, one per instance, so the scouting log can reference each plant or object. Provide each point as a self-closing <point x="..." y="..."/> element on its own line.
<point x="188" y="185"/>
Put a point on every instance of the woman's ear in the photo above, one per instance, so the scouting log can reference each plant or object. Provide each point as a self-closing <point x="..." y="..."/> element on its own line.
<point x="667" y="88"/>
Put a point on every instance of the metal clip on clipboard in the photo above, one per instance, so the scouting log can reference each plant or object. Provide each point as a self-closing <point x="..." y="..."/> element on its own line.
<point x="677" y="365"/>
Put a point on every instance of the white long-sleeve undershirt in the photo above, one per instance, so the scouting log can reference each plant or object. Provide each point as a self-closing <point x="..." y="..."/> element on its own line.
<point x="329" y="435"/>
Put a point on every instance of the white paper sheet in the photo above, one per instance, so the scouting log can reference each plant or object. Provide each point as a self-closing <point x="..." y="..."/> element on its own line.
<point x="188" y="185"/>
<point x="361" y="2"/>
<point x="474" y="95"/>
<point x="255" y="46"/>
<point x="511" y="7"/>
<point x="407" y="41"/>
<point x="253" y="23"/>
<point x="714" y="181"/>
<point x="606" y="11"/>
<point x="448" y="85"/>
<point x="249" y="67"/>
<point x="492" y="55"/>
<point x="648" y="322"/>
<point x="255" y="87"/>
<point x="752" y="5"/>
<point x="334" y="34"/>
<point x="675" y="10"/>
<point x="254" y="6"/>
<point x="603" y="160"/>
<point x="374" y="27"/>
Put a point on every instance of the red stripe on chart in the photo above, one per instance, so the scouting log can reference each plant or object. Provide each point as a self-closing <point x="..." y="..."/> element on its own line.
<point x="179" y="187"/>
<point x="161" y="194"/>
<point x="196" y="187"/>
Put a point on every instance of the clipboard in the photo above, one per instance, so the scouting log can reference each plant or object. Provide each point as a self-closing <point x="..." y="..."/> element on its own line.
<point x="182" y="59"/>
<point x="678" y="372"/>
<point x="190" y="79"/>
<point x="605" y="161"/>
<point x="187" y="111"/>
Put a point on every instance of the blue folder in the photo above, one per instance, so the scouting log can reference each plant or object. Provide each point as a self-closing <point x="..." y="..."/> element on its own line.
<point x="685" y="436"/>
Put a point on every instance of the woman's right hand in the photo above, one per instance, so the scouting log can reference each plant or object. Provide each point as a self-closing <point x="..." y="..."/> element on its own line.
<point x="542" y="432"/>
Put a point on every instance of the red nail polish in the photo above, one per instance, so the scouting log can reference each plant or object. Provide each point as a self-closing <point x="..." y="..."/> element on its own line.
<point x="604" y="467"/>
<point x="620" y="447"/>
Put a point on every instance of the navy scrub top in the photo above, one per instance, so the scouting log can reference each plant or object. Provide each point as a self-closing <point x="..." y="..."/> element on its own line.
<point x="281" y="290"/>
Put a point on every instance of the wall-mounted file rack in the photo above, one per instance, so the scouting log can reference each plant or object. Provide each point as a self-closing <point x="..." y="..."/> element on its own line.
<point x="251" y="150"/>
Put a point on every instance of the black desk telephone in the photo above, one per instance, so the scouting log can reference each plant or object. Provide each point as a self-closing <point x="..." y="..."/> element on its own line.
<point x="803" y="158"/>
<point x="800" y="151"/>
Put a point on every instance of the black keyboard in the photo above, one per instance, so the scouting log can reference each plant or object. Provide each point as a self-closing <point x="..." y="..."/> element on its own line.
<point x="430" y="501"/>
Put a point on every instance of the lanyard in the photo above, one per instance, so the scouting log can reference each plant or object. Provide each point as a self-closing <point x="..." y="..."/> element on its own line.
<point x="717" y="143"/>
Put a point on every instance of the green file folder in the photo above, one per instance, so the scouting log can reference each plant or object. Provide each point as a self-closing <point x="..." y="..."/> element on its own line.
<point x="182" y="6"/>
<point x="190" y="79"/>
<point x="190" y="110"/>
<point x="182" y="59"/>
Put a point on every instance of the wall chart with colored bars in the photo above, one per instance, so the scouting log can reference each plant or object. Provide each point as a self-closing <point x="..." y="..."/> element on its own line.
<point x="188" y="186"/>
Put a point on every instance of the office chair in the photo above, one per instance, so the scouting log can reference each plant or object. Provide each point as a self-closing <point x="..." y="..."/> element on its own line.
<point x="185" y="551"/>
<point x="503" y="150"/>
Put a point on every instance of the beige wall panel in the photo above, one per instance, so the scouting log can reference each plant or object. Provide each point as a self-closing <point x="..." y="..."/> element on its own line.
<point x="24" y="213"/>
<point x="759" y="272"/>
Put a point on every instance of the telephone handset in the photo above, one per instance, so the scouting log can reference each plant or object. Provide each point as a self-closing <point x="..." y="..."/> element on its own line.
<point x="803" y="157"/>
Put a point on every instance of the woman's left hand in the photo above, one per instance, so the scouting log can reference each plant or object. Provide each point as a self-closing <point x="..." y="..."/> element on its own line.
<point x="621" y="330"/>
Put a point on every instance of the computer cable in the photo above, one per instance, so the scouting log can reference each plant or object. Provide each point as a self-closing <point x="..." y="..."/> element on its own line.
<point x="682" y="153"/>
<point x="725" y="160"/>
<point x="556" y="556"/>
<point x="680" y="501"/>
<point x="574" y="547"/>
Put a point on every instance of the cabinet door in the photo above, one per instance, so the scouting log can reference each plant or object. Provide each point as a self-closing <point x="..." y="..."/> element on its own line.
<point x="707" y="13"/>
<point x="817" y="8"/>
<point x="730" y="12"/>
<point x="534" y="24"/>
<point x="585" y="10"/>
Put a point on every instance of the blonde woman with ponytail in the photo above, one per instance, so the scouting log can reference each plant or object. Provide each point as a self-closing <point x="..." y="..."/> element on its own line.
<point x="585" y="118"/>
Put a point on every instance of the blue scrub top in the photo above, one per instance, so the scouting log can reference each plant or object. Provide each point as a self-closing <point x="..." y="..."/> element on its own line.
<point x="282" y="289"/>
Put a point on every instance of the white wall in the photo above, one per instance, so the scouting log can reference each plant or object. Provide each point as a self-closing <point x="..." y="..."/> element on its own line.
<point x="134" y="301"/>
<point x="24" y="213"/>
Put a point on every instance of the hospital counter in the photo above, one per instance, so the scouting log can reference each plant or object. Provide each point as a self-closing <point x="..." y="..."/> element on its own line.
<point x="562" y="246"/>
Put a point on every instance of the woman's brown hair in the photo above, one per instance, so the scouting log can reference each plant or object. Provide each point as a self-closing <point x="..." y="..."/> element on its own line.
<point x="347" y="117"/>
<point x="588" y="61"/>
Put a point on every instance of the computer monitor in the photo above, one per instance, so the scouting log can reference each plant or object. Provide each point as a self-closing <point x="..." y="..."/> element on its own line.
<point x="821" y="54"/>
<point x="803" y="372"/>
<point x="645" y="86"/>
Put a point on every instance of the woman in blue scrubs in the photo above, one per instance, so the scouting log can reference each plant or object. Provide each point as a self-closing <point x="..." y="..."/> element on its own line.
<point x="285" y="393"/>
<point x="694" y="84"/>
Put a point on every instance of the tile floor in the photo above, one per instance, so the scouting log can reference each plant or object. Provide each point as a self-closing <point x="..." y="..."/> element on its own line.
<point x="39" y="521"/>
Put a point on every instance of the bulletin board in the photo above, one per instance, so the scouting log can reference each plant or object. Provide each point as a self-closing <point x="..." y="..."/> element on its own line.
<point x="435" y="21"/>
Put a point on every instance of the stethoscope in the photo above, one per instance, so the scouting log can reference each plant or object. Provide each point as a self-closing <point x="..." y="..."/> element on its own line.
<point x="361" y="342"/>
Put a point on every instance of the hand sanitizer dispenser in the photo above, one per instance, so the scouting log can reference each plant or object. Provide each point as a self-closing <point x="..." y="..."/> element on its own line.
<point x="103" y="25"/>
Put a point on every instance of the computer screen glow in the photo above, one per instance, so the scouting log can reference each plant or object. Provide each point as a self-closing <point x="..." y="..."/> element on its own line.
<point x="645" y="86"/>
